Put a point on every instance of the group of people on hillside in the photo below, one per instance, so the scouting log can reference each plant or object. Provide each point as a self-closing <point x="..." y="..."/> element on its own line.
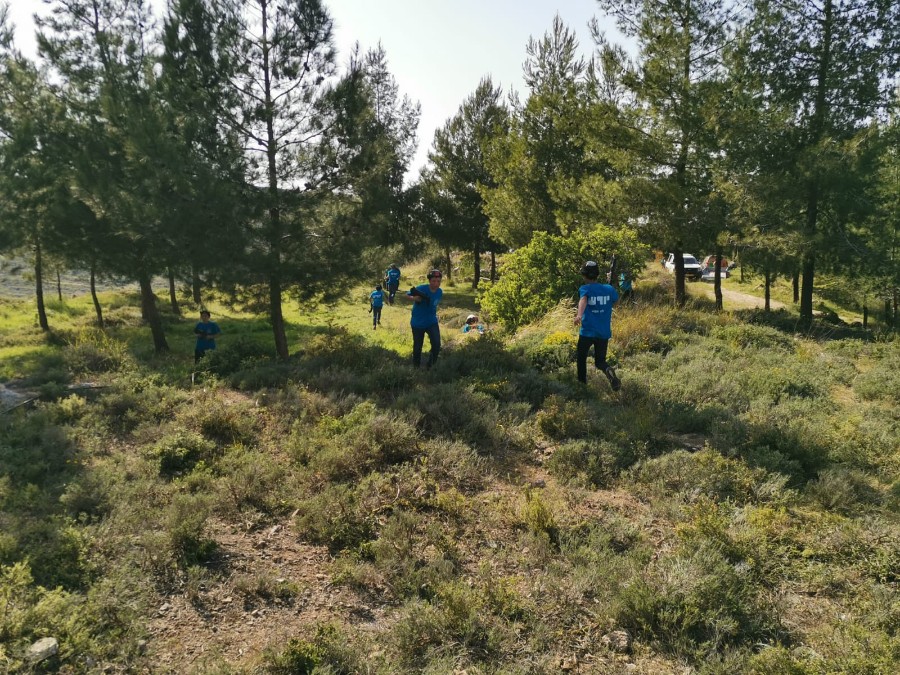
<point x="593" y="316"/>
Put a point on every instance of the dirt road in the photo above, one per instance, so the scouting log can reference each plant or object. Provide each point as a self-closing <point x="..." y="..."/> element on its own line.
<point x="733" y="299"/>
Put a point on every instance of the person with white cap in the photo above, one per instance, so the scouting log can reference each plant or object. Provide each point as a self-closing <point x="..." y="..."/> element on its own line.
<point x="472" y="325"/>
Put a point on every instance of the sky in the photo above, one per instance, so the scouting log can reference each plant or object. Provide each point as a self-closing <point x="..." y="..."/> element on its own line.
<point x="438" y="51"/>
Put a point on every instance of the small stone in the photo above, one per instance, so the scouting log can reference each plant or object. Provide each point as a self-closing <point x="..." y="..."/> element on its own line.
<point x="569" y="663"/>
<point x="618" y="640"/>
<point x="142" y="646"/>
<point x="539" y="483"/>
<point x="164" y="608"/>
<point x="43" y="649"/>
<point x="228" y="599"/>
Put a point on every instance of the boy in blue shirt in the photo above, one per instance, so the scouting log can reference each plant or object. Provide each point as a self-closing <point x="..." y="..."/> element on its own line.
<point x="595" y="305"/>
<point x="424" y="321"/>
<point x="392" y="279"/>
<point x="376" y="302"/>
<point x="206" y="331"/>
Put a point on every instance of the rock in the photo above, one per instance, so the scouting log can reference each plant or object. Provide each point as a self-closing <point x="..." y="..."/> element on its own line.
<point x="539" y="483"/>
<point x="165" y="607"/>
<point x="618" y="640"/>
<point x="569" y="663"/>
<point x="43" y="649"/>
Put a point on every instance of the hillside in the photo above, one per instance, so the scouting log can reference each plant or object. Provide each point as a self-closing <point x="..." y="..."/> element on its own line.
<point x="733" y="509"/>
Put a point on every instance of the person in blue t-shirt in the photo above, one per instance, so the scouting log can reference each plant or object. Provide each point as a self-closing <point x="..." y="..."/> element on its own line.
<point x="625" y="285"/>
<point x="595" y="305"/>
<point x="392" y="281"/>
<point x="206" y="331"/>
<point x="424" y="321"/>
<point x="376" y="302"/>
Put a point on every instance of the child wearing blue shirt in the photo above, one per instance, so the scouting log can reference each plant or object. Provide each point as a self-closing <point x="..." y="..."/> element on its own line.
<point x="206" y="331"/>
<point x="595" y="305"/>
<point x="392" y="279"/>
<point x="376" y="302"/>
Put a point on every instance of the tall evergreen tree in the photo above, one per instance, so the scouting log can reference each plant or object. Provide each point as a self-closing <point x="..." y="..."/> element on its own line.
<point x="680" y="59"/>
<point x="533" y="166"/>
<point x="460" y="173"/>
<point x="120" y="158"/>
<point x="829" y="65"/>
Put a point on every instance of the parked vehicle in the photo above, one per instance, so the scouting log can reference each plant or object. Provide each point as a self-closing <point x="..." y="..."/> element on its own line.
<point x="709" y="273"/>
<point x="691" y="266"/>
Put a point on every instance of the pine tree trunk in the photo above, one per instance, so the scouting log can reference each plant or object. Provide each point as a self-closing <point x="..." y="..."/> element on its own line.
<point x="39" y="288"/>
<point x="477" y="267"/>
<point x="150" y="311"/>
<point x="449" y="265"/>
<point x="195" y="286"/>
<point x="277" y="318"/>
<point x="806" y="291"/>
<point x="795" y="281"/>
<point x="173" y="296"/>
<point x="768" y="291"/>
<point x="58" y="286"/>
<point x="865" y="314"/>
<point x="888" y="314"/>
<point x="97" y="308"/>
<point x="493" y="266"/>
<point x="680" y="291"/>
<point x="717" y="281"/>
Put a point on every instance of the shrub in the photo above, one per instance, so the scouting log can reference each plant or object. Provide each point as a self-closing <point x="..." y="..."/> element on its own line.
<point x="749" y="336"/>
<point x="842" y="489"/>
<point x="179" y="453"/>
<point x="595" y="463"/>
<point x="240" y="354"/>
<point x="695" y="604"/>
<point x="94" y="351"/>
<point x="334" y="518"/>
<point x="186" y="520"/>
<point x="561" y="419"/>
<point x="534" y="277"/>
<point x="704" y="473"/>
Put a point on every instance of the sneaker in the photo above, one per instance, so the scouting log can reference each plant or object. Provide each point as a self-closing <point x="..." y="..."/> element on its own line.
<point x="374" y="326"/>
<point x="614" y="381"/>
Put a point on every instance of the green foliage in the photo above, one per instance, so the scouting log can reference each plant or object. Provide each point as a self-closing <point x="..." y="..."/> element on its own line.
<point x="695" y="604"/>
<point x="237" y="355"/>
<point x="180" y="452"/>
<point x="537" y="276"/>
<point x="94" y="351"/>
<point x="596" y="464"/>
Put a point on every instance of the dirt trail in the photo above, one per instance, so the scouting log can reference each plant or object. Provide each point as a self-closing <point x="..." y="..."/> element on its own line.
<point x="735" y="299"/>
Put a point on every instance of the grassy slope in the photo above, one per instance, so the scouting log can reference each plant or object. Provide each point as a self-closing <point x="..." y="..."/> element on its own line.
<point x="734" y="507"/>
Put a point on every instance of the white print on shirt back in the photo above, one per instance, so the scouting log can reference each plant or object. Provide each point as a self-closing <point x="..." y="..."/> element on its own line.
<point x="598" y="300"/>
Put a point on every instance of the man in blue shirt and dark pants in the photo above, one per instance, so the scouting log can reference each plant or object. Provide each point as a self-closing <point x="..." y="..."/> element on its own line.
<point x="424" y="319"/>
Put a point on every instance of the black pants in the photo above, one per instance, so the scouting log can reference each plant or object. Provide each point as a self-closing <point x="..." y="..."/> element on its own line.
<point x="581" y="354"/>
<point x="434" y="337"/>
<point x="392" y="290"/>
<point x="198" y="354"/>
<point x="376" y="316"/>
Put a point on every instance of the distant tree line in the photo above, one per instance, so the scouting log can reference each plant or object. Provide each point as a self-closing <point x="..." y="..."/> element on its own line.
<point x="224" y="147"/>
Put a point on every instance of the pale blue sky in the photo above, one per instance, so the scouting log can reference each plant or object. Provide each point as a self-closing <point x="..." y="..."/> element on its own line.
<point x="437" y="51"/>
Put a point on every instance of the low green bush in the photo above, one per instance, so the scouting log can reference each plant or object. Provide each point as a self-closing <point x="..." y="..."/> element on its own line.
<point x="695" y="604"/>
<point x="179" y="452"/>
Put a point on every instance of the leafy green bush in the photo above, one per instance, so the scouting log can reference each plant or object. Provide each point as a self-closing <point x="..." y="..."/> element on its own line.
<point x="179" y="452"/>
<point x="749" y="336"/>
<point x="593" y="463"/>
<point x="240" y="354"/>
<point x="94" y="351"/>
<point x="695" y="604"/>
<point x="705" y="473"/>
<point x="333" y="517"/>
<point x="536" y="277"/>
